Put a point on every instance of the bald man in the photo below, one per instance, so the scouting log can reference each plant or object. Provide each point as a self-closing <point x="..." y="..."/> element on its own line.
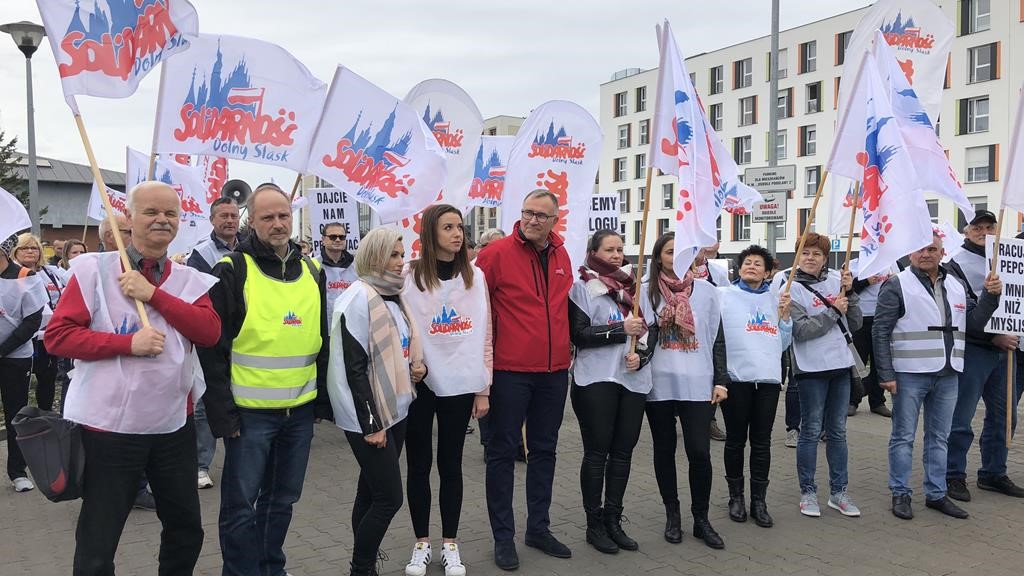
<point x="131" y="386"/>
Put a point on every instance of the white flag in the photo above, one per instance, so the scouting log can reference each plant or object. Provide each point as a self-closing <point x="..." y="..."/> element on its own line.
<point x="118" y="201"/>
<point x="15" y="217"/>
<point x="952" y="240"/>
<point x="1013" y="181"/>
<point x="489" y="170"/>
<point x="194" y="222"/>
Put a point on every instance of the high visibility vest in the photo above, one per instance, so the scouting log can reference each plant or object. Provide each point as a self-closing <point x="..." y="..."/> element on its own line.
<point x="918" y="339"/>
<point x="273" y="358"/>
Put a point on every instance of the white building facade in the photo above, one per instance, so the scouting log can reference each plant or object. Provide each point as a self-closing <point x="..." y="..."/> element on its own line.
<point x="979" y="104"/>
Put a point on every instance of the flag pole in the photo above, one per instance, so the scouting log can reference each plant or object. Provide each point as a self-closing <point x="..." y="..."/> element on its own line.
<point x="295" y="187"/>
<point x="853" y="223"/>
<point x="640" y="258"/>
<point x="151" y="172"/>
<point x="807" y="228"/>
<point x="1010" y="366"/>
<point x="111" y="219"/>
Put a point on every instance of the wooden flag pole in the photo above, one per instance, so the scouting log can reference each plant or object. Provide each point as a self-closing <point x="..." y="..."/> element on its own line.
<point x="853" y="224"/>
<point x="295" y="187"/>
<point x="807" y="228"/>
<point x="640" y="258"/>
<point x="111" y="219"/>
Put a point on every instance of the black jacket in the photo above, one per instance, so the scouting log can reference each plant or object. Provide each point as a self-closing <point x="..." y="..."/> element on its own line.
<point x="29" y="324"/>
<point x="583" y="334"/>
<point x="229" y="302"/>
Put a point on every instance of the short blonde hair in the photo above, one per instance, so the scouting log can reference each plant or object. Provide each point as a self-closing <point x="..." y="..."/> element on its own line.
<point x="25" y="240"/>
<point x="375" y="250"/>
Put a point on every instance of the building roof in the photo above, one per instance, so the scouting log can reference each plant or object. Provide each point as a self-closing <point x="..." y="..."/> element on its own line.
<point x="53" y="170"/>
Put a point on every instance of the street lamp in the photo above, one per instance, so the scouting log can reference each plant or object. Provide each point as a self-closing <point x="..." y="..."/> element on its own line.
<point x="28" y="36"/>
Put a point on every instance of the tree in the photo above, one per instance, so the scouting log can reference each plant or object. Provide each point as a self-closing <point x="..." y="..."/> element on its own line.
<point x="9" y="178"/>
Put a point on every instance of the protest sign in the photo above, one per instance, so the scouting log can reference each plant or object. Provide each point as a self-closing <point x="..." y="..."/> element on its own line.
<point x="328" y="205"/>
<point x="1009" y="316"/>
<point x="604" y="212"/>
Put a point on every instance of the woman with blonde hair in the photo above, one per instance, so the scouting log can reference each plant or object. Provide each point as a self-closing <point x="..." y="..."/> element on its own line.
<point x="376" y="361"/>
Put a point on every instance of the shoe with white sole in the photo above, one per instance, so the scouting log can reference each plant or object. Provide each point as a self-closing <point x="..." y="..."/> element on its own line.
<point x="792" y="437"/>
<point x="421" y="557"/>
<point x="809" y="505"/>
<point x="451" y="561"/>
<point x="841" y="501"/>
<point x="22" y="484"/>
<point x="204" y="481"/>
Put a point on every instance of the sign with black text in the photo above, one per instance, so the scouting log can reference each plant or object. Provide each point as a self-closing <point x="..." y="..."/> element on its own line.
<point x="327" y="205"/>
<point x="1009" y="316"/>
<point x="604" y="213"/>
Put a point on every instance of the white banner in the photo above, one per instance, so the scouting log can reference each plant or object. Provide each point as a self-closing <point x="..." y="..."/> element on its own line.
<point x="239" y="98"/>
<point x="215" y="174"/>
<point x="1009" y="316"/>
<point x="489" y="171"/>
<point x="1013" y="184"/>
<point x="328" y="205"/>
<point x="557" y="149"/>
<point x="118" y="201"/>
<point x="457" y="125"/>
<point x="15" y="216"/>
<point x="194" y="224"/>
<point x="604" y="213"/>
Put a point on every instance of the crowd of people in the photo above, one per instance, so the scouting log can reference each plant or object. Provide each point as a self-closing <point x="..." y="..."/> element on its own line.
<point x="252" y="341"/>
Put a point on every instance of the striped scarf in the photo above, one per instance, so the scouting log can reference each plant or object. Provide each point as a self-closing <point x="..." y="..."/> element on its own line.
<point x="389" y="369"/>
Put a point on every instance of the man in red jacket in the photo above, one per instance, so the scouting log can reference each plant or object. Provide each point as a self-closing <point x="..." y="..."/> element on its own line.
<point x="528" y="275"/>
<point x="131" y="386"/>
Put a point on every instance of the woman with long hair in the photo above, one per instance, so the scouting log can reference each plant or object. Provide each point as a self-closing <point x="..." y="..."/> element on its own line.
<point x="689" y="377"/>
<point x="610" y="385"/>
<point x="757" y="331"/>
<point x="72" y="249"/>
<point x="376" y="361"/>
<point x="447" y="297"/>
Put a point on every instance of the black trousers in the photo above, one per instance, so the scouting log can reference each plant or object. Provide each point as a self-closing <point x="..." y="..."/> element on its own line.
<point x="378" y="493"/>
<point x="749" y="413"/>
<point x="113" y="463"/>
<point x="695" y="418"/>
<point x="453" y="413"/>
<point x="610" y="418"/>
<point x="15" y="375"/>
<point x="44" y="366"/>
<point x="862" y="341"/>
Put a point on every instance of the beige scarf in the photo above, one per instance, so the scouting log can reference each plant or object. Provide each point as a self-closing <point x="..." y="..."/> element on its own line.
<point x="389" y="369"/>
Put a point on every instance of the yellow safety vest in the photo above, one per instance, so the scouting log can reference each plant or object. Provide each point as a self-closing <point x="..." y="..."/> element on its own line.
<point x="273" y="358"/>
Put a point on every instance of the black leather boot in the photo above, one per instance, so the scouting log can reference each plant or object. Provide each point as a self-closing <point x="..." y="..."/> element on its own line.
<point x="673" y="524"/>
<point x="597" y="534"/>
<point x="613" y="524"/>
<point x="758" y="507"/>
<point x="737" y="503"/>
<point x="702" y="529"/>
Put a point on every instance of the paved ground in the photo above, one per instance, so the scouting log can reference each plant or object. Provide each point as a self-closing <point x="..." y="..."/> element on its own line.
<point x="37" y="537"/>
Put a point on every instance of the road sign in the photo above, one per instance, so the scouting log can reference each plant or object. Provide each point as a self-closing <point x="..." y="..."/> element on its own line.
<point x="771" y="179"/>
<point x="773" y="209"/>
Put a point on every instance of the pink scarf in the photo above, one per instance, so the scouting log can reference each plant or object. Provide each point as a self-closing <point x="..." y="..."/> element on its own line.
<point x="677" y="315"/>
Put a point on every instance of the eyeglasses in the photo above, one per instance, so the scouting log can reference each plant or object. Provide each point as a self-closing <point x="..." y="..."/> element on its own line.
<point x="335" y="237"/>
<point x="127" y="232"/>
<point x="540" y="217"/>
<point x="33" y="248"/>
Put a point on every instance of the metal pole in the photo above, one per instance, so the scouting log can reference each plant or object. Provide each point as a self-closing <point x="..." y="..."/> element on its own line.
<point x="33" y="172"/>
<point x="773" y="111"/>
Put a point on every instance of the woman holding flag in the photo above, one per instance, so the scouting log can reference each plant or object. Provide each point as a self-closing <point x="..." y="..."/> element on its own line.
<point x="610" y="384"/>
<point x="446" y="295"/>
<point x="689" y="377"/>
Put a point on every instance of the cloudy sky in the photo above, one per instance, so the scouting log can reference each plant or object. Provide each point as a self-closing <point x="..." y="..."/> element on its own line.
<point x="508" y="56"/>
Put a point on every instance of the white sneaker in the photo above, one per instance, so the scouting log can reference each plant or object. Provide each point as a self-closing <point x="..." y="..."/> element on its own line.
<point x="22" y="484"/>
<point x="809" y="505"/>
<point x="841" y="501"/>
<point x="421" y="557"/>
<point x="792" y="436"/>
<point x="450" y="560"/>
<point x="204" y="480"/>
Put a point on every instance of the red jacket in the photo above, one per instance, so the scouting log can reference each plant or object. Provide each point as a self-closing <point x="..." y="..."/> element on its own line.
<point x="530" y="309"/>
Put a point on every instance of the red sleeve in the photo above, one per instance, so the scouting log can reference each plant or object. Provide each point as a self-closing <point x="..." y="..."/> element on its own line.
<point x="198" y="321"/>
<point x="68" y="332"/>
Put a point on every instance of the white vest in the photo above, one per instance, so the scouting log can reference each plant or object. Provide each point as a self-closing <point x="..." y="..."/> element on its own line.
<point x="20" y="298"/>
<point x="915" y="347"/>
<point x="454" y="326"/>
<point x="828" y="352"/>
<point x="210" y="251"/>
<point x="869" y="295"/>
<point x="338" y="280"/>
<point x="753" y="341"/>
<point x="975" y="268"/>
<point x="686" y="372"/>
<point x="605" y="363"/>
<point x="355" y="307"/>
<point x="132" y="394"/>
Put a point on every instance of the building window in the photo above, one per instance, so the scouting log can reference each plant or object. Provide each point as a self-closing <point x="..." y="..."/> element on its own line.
<point x="983" y="63"/>
<point x="637" y="232"/>
<point x="624" y="200"/>
<point x="641" y="194"/>
<point x="748" y="110"/>
<point x="780" y="230"/>
<point x="742" y="73"/>
<point x="933" y="210"/>
<point x="814" y="97"/>
<point x="640" y="165"/>
<point x="740" y="227"/>
<point x="662" y="226"/>
<point x="623" y="136"/>
<point x="808" y="140"/>
<point x="784" y="103"/>
<point x="978" y="203"/>
<point x="981" y="163"/>
<point x="975" y="16"/>
<point x="781" y="140"/>
<point x="842" y="43"/>
<point x="715" y="116"/>
<point x="645" y="132"/>
<point x="974" y="115"/>
<point x="620" y="169"/>
<point x="741" y="149"/>
<point x="783" y="63"/>
<point x="492" y="131"/>
<point x="801" y="221"/>
<point x="812" y="176"/>
<point x="667" y="194"/>
<point x="717" y="80"/>
<point x="622" y="230"/>
<point x="641" y="99"/>
<point x="808" y="57"/>
<point x="621" y="104"/>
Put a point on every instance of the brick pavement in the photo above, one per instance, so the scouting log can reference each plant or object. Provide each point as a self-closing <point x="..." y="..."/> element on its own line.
<point x="37" y="537"/>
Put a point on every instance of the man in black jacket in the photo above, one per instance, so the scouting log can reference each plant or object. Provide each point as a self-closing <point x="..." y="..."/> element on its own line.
<point x="265" y="383"/>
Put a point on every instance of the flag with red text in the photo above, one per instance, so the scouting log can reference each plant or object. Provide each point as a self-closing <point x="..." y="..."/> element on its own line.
<point x="118" y="201"/>
<point x="194" y="222"/>
<point x="489" y="169"/>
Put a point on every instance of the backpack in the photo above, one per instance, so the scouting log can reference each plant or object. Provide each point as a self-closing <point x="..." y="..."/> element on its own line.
<point x="52" y="447"/>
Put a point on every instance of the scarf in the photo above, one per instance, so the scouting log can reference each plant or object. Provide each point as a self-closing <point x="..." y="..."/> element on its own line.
<point x="676" y="318"/>
<point x="389" y="370"/>
<point x="603" y="277"/>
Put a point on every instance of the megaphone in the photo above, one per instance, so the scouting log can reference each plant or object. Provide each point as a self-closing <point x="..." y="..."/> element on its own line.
<point x="237" y="190"/>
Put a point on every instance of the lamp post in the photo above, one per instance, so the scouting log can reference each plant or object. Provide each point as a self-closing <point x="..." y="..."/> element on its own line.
<point x="28" y="36"/>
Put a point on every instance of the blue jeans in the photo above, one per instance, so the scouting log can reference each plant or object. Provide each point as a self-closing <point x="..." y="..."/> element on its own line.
<point x="824" y="399"/>
<point x="206" y="444"/>
<point x="984" y="378"/>
<point x="264" y="468"/>
<point x="938" y="394"/>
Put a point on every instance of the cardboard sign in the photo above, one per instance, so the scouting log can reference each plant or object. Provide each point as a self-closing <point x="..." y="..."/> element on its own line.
<point x="604" y="212"/>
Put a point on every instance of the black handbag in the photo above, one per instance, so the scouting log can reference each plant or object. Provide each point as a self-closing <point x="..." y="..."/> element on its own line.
<point x="52" y="447"/>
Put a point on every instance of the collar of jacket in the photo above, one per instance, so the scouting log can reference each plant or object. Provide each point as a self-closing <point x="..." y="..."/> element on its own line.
<point x="739" y="283"/>
<point x="222" y="244"/>
<point x="973" y="248"/>
<point x="554" y="240"/>
<point x="344" y="262"/>
<point x="923" y="276"/>
<point x="260" y="251"/>
<point x="802" y="276"/>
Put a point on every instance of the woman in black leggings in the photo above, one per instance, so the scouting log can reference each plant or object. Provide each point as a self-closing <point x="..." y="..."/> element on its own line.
<point x="610" y="385"/>
<point x="376" y="360"/>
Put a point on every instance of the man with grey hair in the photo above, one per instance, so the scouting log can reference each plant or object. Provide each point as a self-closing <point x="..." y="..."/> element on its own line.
<point x="107" y="242"/>
<point x="266" y="383"/>
<point x="528" y="276"/>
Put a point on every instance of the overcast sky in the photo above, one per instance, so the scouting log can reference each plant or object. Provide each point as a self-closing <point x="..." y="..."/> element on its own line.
<point x="509" y="56"/>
